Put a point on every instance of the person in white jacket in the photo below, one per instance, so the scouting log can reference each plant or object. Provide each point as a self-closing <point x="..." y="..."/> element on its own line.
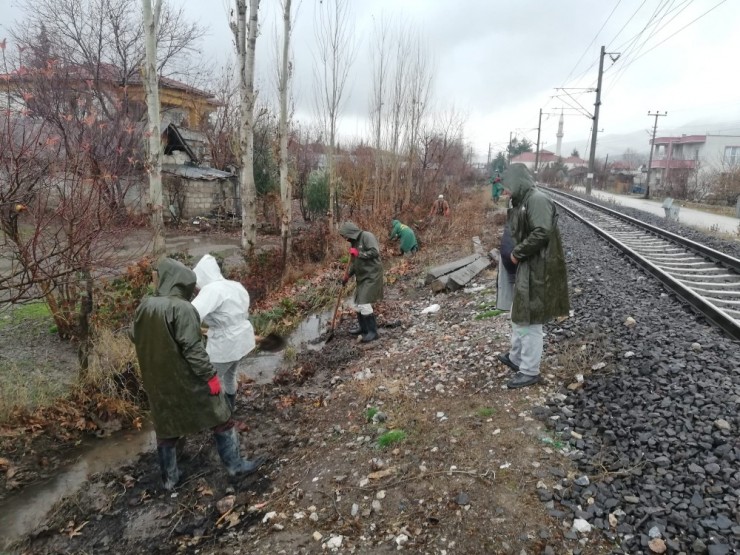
<point x="223" y="305"/>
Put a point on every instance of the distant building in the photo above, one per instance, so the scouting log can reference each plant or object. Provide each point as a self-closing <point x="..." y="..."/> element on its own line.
<point x="547" y="158"/>
<point x="180" y="103"/>
<point x="676" y="157"/>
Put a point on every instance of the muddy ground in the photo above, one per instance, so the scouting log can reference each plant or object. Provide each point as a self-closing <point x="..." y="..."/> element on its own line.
<point x="458" y="473"/>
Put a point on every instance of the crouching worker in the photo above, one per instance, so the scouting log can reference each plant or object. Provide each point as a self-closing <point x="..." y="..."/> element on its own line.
<point x="183" y="388"/>
<point x="367" y="268"/>
<point x="406" y="236"/>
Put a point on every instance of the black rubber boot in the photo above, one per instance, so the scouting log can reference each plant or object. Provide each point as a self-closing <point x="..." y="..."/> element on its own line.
<point x="228" y="449"/>
<point x="167" y="455"/>
<point x="360" y="329"/>
<point x="231" y="399"/>
<point x="371" y="326"/>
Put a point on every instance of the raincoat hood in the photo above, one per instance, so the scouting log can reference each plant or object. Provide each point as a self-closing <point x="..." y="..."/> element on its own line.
<point x="395" y="223"/>
<point x="207" y="271"/>
<point x="349" y="230"/>
<point x="518" y="181"/>
<point x="175" y="279"/>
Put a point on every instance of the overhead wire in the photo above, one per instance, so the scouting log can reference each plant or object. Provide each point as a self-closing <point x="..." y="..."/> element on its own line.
<point x="593" y="40"/>
<point x="676" y="32"/>
<point x="635" y="55"/>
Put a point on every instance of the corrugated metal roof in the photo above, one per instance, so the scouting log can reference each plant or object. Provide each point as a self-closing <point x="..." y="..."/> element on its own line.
<point x="195" y="172"/>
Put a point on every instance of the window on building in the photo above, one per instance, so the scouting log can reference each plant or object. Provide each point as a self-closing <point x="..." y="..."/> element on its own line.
<point x="732" y="155"/>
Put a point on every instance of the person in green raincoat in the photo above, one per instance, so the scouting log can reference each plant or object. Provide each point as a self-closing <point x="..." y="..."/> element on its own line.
<point x="497" y="187"/>
<point x="541" y="283"/>
<point x="183" y="388"/>
<point x="368" y="269"/>
<point x="406" y="235"/>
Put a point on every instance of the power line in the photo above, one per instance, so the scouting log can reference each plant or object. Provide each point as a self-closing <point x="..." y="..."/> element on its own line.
<point x="592" y="41"/>
<point x="678" y="31"/>
<point x="626" y="23"/>
<point x="659" y="28"/>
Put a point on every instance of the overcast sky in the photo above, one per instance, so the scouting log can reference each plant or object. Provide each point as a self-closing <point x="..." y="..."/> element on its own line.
<point x="499" y="61"/>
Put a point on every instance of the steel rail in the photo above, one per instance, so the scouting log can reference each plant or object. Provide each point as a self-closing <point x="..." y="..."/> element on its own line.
<point x="718" y="317"/>
<point x="708" y="252"/>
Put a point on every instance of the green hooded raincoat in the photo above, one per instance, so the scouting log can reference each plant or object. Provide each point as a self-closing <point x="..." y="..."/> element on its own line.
<point x="174" y="365"/>
<point x="541" y="288"/>
<point x="406" y="235"/>
<point x="367" y="267"/>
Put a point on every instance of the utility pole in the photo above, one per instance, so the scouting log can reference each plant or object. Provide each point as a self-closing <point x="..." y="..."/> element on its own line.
<point x="595" y="128"/>
<point x="597" y="105"/>
<point x="488" y="164"/>
<point x="537" y="150"/>
<point x="652" y="147"/>
<point x="508" y="151"/>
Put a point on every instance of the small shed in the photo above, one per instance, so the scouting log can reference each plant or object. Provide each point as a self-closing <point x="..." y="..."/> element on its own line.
<point x="190" y="187"/>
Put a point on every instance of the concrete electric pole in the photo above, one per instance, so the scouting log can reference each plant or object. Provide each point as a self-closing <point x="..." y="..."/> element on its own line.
<point x="537" y="150"/>
<point x="595" y="129"/>
<point x="652" y="147"/>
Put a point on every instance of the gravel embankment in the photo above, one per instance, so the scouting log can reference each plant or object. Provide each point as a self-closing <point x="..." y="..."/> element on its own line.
<point x="656" y="428"/>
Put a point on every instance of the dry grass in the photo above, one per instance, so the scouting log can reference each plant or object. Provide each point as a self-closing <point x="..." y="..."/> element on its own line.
<point x="26" y="390"/>
<point x="113" y="371"/>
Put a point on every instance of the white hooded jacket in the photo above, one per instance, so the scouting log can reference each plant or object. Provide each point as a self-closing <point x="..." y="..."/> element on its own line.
<point x="223" y="305"/>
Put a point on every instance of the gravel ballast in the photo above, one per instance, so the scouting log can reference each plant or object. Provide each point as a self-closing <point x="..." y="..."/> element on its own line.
<point x="656" y="428"/>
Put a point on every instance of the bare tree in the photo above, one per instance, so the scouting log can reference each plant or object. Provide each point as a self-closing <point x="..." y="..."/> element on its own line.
<point x="286" y="192"/>
<point x="380" y="62"/>
<point x="60" y="159"/>
<point x="399" y="84"/>
<point x="633" y="159"/>
<point x="441" y="150"/>
<point x="222" y="127"/>
<point x="419" y="92"/>
<point x="333" y="59"/>
<point x="154" y="154"/>
<point x="104" y="40"/>
<point x="246" y="41"/>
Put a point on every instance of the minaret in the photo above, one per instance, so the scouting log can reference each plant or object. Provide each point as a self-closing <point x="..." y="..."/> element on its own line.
<point x="559" y="135"/>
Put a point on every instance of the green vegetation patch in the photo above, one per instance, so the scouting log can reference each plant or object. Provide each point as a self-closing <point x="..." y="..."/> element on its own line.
<point x="391" y="438"/>
<point x="485" y="412"/>
<point x="489" y="314"/>
<point x="36" y="311"/>
<point x="370" y="413"/>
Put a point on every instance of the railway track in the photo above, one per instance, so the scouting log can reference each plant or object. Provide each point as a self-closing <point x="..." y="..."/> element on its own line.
<point x="707" y="279"/>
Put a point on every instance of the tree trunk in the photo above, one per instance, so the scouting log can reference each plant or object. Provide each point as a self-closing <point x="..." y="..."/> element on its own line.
<point x="246" y="40"/>
<point x="286" y="193"/>
<point x="151" y="90"/>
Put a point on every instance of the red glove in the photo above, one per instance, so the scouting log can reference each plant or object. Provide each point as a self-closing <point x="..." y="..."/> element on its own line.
<point x="214" y="385"/>
<point x="354" y="252"/>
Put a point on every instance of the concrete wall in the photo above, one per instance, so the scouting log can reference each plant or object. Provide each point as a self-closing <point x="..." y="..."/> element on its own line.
<point x="198" y="197"/>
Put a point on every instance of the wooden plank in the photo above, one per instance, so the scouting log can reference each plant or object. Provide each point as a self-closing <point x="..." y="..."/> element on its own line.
<point x="444" y="269"/>
<point x="440" y="284"/>
<point x="463" y="276"/>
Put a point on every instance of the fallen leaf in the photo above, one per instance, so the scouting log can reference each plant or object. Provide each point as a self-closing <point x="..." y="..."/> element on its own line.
<point x="232" y="519"/>
<point x="381" y="473"/>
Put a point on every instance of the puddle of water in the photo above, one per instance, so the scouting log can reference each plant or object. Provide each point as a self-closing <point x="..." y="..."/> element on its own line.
<point x="262" y="367"/>
<point x="22" y="513"/>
